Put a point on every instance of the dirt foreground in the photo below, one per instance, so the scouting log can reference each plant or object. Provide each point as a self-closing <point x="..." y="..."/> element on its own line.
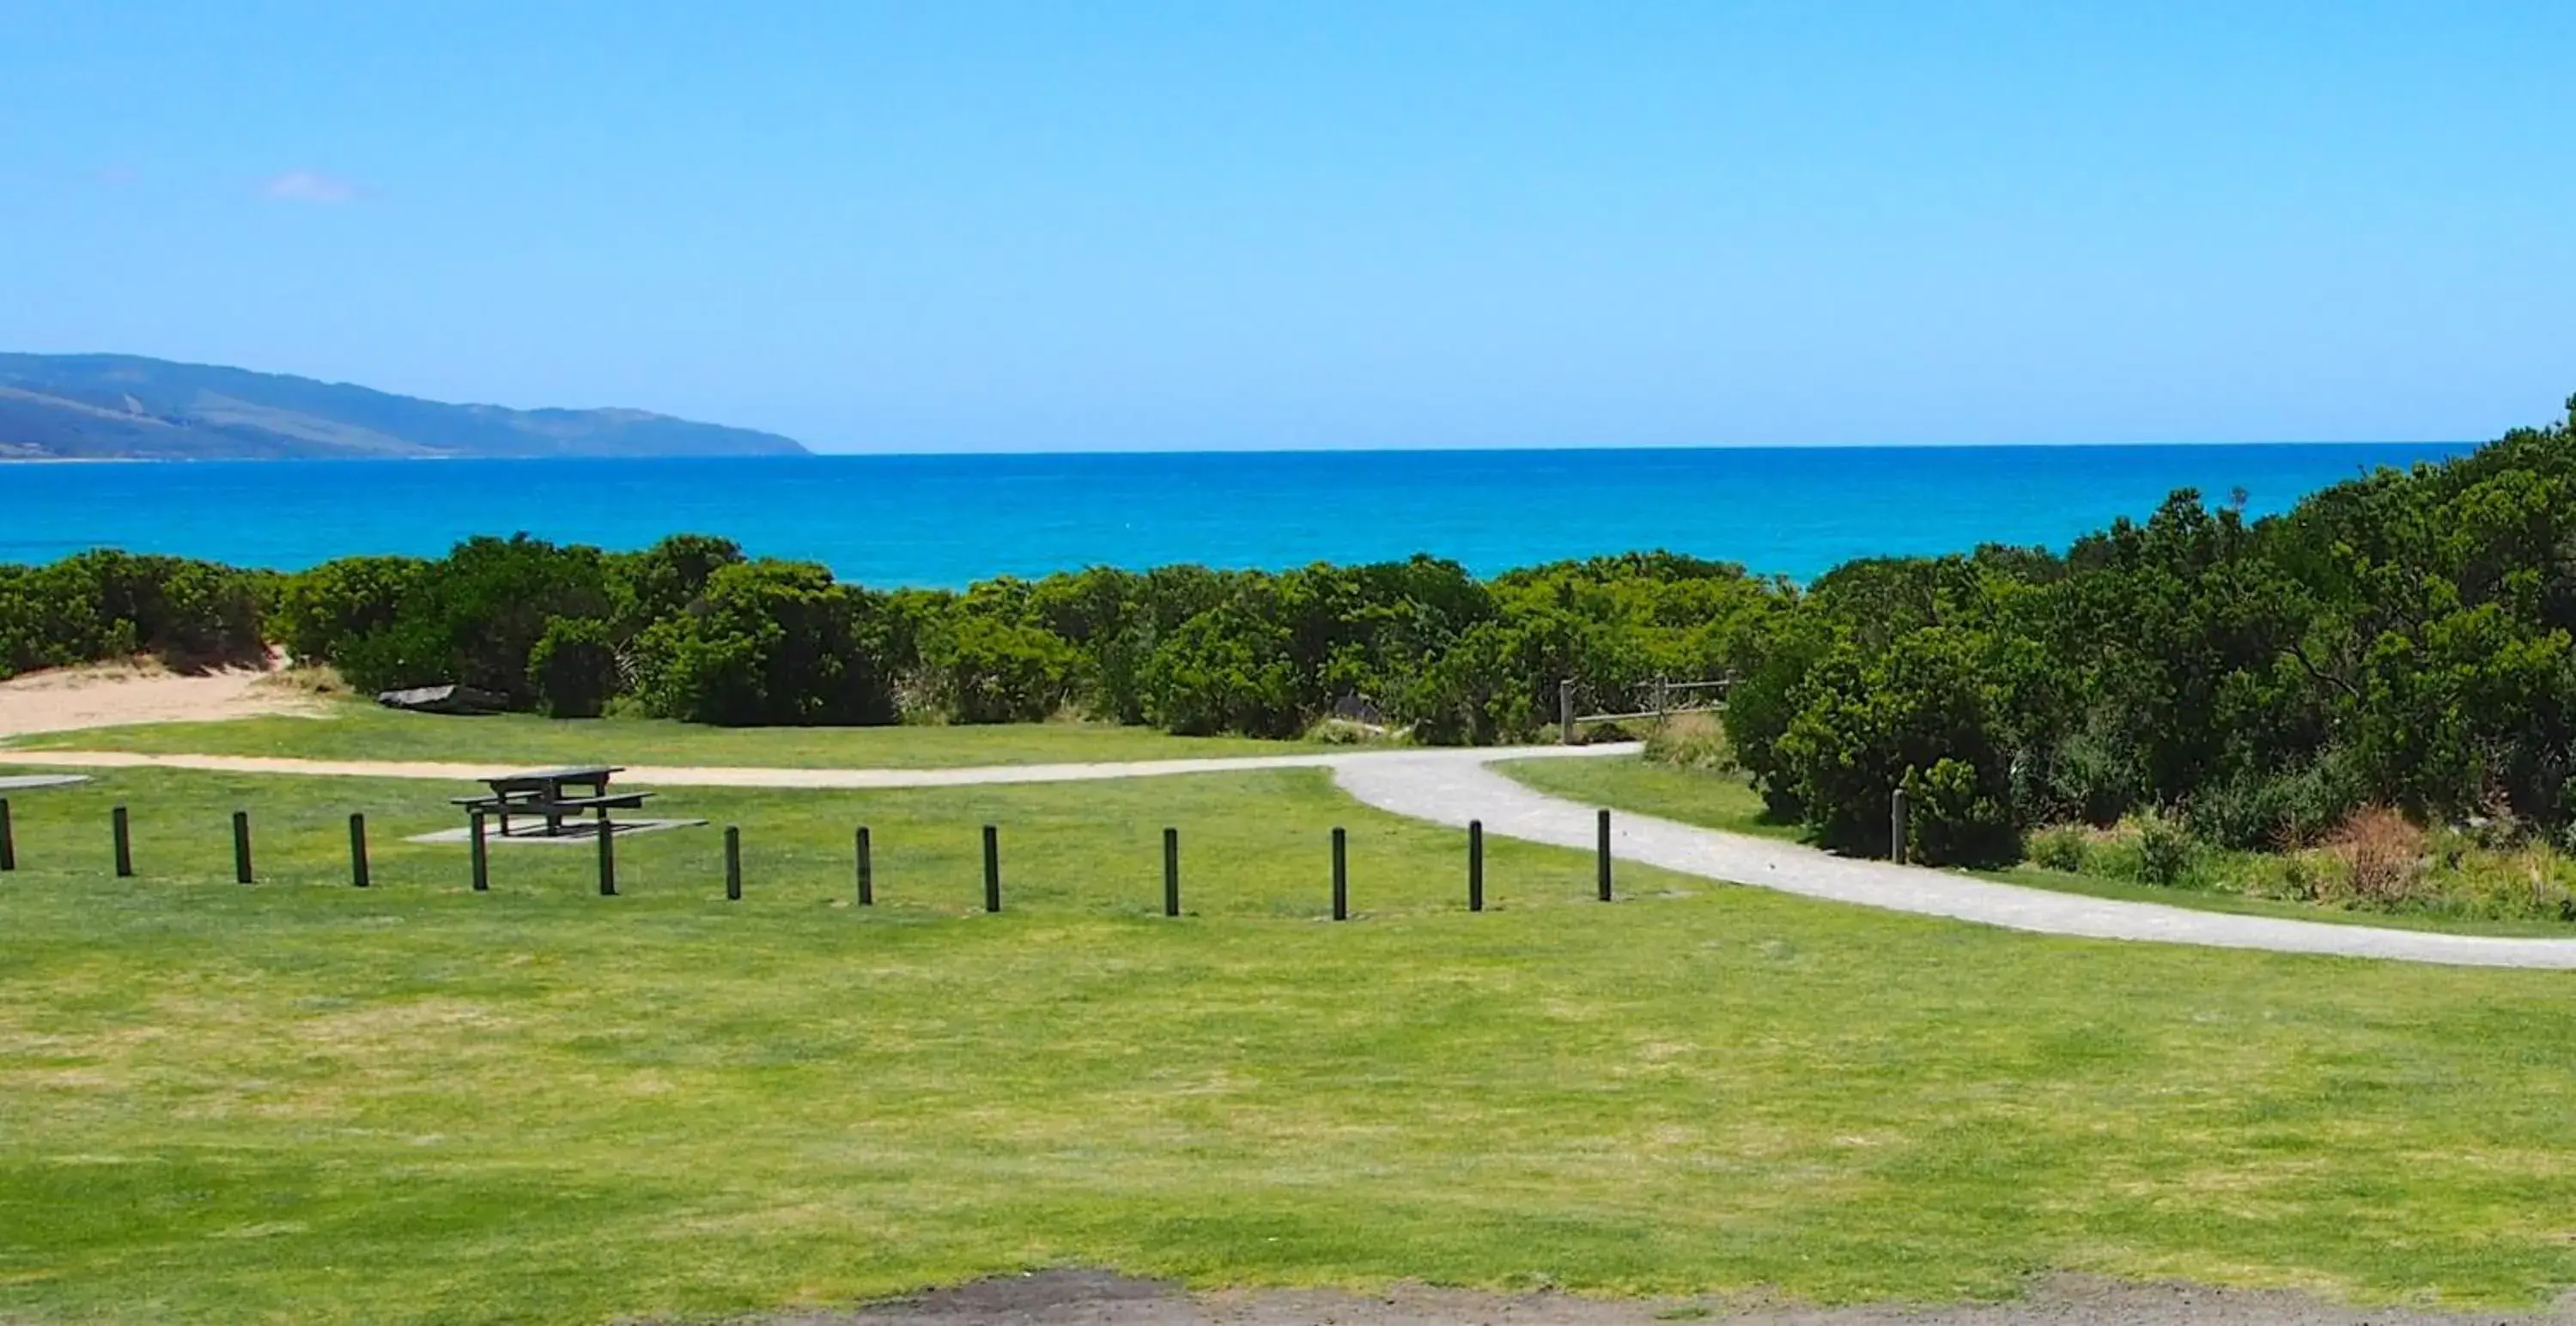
<point x="1093" y="1298"/>
<point x="110" y="694"/>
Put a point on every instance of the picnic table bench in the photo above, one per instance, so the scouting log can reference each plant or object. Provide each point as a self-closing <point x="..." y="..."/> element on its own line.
<point x="540" y="793"/>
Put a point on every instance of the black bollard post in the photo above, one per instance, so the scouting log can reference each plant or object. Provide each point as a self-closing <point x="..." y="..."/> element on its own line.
<point x="992" y="868"/>
<point x="607" y="856"/>
<point x="241" y="847"/>
<point x="482" y="858"/>
<point x="867" y="872"/>
<point x="1475" y="865"/>
<point x="357" y="849"/>
<point x="1896" y="825"/>
<point x="1341" y="876"/>
<point x="8" y="839"/>
<point x="1171" y="872"/>
<point x="118" y="820"/>
<point x="1604" y="869"/>
<point x="733" y="864"/>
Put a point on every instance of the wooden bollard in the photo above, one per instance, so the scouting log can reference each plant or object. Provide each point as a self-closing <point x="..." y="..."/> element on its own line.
<point x="357" y="849"/>
<point x="867" y="872"/>
<point x="607" y="857"/>
<point x="1603" y="869"/>
<point x="1171" y="872"/>
<point x="1341" y="875"/>
<point x="241" y="847"/>
<point x="992" y="868"/>
<point x="124" y="829"/>
<point x="733" y="864"/>
<point x="482" y="857"/>
<point x="8" y="839"/>
<point x="1475" y="865"/>
<point x="1896" y="825"/>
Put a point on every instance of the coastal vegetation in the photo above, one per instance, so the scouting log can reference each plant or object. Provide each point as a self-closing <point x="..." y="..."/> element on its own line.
<point x="2395" y="650"/>
<point x="302" y="1100"/>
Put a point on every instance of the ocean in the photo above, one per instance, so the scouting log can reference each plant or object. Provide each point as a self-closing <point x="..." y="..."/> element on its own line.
<point x="943" y="521"/>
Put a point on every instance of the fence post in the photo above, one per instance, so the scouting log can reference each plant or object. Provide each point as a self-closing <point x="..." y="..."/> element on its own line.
<point x="733" y="864"/>
<point x="1565" y="711"/>
<point x="241" y="847"/>
<point x="1896" y="825"/>
<point x="1475" y="865"/>
<point x="992" y="868"/>
<point x="358" y="849"/>
<point x="607" y="856"/>
<point x="1604" y="867"/>
<point x="1171" y="872"/>
<point x="482" y="861"/>
<point x="118" y="820"/>
<point x="867" y="872"/>
<point x="8" y="839"/>
<point x="1341" y="876"/>
<point x="1662" y="699"/>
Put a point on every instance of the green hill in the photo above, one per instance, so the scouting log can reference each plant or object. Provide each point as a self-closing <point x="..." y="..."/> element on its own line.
<point x="124" y="406"/>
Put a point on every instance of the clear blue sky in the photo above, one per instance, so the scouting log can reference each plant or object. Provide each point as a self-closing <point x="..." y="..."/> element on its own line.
<point x="945" y="225"/>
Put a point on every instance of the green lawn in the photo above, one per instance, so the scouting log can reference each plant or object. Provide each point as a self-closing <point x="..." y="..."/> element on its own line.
<point x="298" y="1101"/>
<point x="357" y="730"/>
<point x="1725" y="801"/>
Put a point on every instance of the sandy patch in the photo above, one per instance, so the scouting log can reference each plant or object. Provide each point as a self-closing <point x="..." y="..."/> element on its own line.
<point x="111" y="694"/>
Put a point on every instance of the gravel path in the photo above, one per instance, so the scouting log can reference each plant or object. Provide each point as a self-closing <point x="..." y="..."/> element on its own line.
<point x="1449" y="787"/>
<point x="1453" y="786"/>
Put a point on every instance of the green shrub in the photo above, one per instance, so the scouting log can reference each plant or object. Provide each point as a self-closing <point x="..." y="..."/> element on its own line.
<point x="1953" y="819"/>
<point x="994" y="671"/>
<point x="1868" y="721"/>
<point x="2257" y="811"/>
<point x="2094" y="777"/>
<point x="104" y="604"/>
<point x="2168" y="856"/>
<point x="473" y="617"/>
<point x="1223" y="671"/>
<point x="663" y="581"/>
<point x="323" y="613"/>
<point x="770" y="642"/>
<point x="573" y="668"/>
<point x="2060" y="847"/>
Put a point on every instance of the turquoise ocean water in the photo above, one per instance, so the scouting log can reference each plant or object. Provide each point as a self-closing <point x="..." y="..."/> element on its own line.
<point x="948" y="520"/>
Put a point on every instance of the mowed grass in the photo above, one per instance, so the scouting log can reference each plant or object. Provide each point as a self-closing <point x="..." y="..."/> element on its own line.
<point x="1720" y="800"/>
<point x="360" y="730"/>
<point x="299" y="1101"/>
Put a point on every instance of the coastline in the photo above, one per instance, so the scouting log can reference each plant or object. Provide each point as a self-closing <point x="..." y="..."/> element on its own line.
<point x="944" y="521"/>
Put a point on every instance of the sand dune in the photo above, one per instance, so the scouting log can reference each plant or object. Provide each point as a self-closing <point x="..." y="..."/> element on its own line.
<point x="110" y="694"/>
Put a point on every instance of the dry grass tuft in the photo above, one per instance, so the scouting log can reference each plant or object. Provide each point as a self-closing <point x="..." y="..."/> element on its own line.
<point x="1690" y="741"/>
<point x="2382" y="854"/>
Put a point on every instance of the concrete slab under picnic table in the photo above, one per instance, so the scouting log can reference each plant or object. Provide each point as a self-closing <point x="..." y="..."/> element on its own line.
<point x="573" y="831"/>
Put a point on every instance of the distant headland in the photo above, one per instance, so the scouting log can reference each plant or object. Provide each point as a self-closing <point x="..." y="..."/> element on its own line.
<point x="125" y="407"/>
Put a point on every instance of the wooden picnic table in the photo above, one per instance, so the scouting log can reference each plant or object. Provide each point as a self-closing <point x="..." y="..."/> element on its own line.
<point x="541" y="792"/>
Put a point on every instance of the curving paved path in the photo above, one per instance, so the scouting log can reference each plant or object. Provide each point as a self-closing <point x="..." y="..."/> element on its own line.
<point x="1453" y="786"/>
